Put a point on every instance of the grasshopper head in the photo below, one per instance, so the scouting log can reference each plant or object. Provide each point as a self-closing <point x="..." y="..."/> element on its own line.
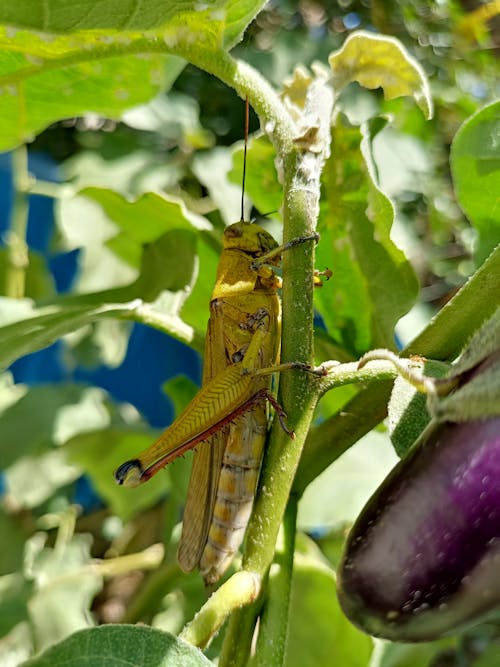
<point x="248" y="237"/>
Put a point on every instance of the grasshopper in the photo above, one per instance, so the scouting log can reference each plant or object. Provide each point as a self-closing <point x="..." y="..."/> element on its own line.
<point x="230" y="410"/>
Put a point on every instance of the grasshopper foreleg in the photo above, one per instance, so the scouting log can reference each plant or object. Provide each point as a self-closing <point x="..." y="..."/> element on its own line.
<point x="276" y="252"/>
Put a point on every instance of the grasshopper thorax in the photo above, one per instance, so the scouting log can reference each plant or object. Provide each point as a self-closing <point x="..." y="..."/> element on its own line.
<point x="248" y="237"/>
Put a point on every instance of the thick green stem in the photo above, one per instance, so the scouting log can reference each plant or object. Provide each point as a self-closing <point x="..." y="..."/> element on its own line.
<point x="271" y="645"/>
<point x="17" y="249"/>
<point x="298" y="391"/>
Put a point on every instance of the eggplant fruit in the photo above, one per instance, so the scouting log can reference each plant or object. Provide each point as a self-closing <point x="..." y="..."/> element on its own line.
<point x="423" y="558"/>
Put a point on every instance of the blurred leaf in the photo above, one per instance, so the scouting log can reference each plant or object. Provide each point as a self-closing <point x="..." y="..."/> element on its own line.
<point x="414" y="655"/>
<point x="175" y="118"/>
<point x="50" y="323"/>
<point x="120" y="645"/>
<point x="15" y="592"/>
<point x="100" y="453"/>
<point x="403" y="162"/>
<point x="262" y="182"/>
<point x="168" y="266"/>
<point x="33" y="479"/>
<point x="28" y="426"/>
<point x="212" y="169"/>
<point x="17" y="645"/>
<point x="490" y="657"/>
<point x="14" y="530"/>
<point x="195" y="310"/>
<point x="45" y="79"/>
<point x="475" y="166"/>
<point x="337" y="496"/>
<point x="373" y="283"/>
<point x="63" y="582"/>
<point x="378" y="61"/>
<point x="319" y="633"/>
<point x="157" y="215"/>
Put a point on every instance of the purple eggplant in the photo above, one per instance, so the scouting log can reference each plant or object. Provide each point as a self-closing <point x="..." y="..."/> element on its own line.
<point x="423" y="558"/>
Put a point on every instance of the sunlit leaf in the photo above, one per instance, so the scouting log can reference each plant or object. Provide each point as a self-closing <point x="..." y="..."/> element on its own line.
<point x="373" y="283"/>
<point x="63" y="582"/>
<point x="475" y="166"/>
<point x="319" y="633"/>
<point x="69" y="59"/>
<point x="118" y="645"/>
<point x="379" y="61"/>
<point x="337" y="496"/>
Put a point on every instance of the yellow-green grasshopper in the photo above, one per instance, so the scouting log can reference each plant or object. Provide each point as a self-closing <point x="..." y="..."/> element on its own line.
<point x="241" y="350"/>
<point x="230" y="411"/>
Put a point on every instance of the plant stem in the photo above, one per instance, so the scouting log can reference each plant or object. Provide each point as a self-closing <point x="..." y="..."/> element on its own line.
<point x="239" y="634"/>
<point x="240" y="589"/>
<point x="17" y="249"/>
<point x="271" y="644"/>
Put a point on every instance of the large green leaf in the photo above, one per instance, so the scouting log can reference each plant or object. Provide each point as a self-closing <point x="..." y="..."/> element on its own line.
<point x="72" y="58"/>
<point x="48" y="324"/>
<point x="319" y="633"/>
<point x="373" y="284"/>
<point x="59" y="16"/>
<point x="119" y="645"/>
<point x="475" y="166"/>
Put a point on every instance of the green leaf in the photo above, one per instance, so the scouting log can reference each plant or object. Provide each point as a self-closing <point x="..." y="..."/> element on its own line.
<point x="337" y="496"/>
<point x="64" y="581"/>
<point x="373" y="283"/>
<point x="475" y="167"/>
<point x="489" y="658"/>
<point x="44" y="79"/>
<point x="113" y="58"/>
<point x="119" y="645"/>
<point x="319" y="633"/>
<point x="28" y="426"/>
<point x="262" y="182"/>
<point x="414" y="655"/>
<point x="15" y="592"/>
<point x="211" y="169"/>
<point x="46" y="416"/>
<point x="379" y="61"/>
<point x="14" y="533"/>
<point x="57" y="16"/>
<point x="50" y="323"/>
<point x="157" y="215"/>
<point x="100" y="453"/>
<point x="168" y="267"/>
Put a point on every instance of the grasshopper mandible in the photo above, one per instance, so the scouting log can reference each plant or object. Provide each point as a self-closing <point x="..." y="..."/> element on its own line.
<point x="230" y="410"/>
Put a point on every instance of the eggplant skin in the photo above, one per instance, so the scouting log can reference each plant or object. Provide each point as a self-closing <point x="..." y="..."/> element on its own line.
<point x="423" y="558"/>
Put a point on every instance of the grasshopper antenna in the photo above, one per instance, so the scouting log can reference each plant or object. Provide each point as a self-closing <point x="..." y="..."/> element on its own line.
<point x="242" y="219"/>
